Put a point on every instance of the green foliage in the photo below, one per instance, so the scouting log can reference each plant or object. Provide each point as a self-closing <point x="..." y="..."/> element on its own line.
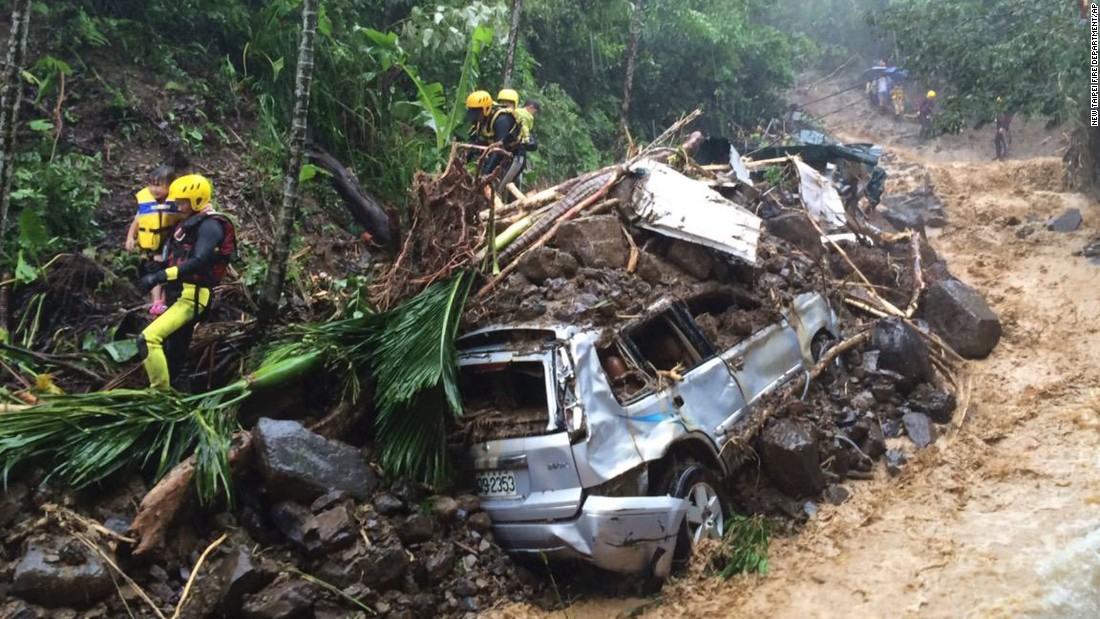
<point x="54" y="201"/>
<point x="744" y="548"/>
<point x="1026" y="54"/>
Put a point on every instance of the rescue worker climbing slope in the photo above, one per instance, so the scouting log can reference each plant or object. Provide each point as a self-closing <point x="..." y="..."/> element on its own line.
<point x="505" y="128"/>
<point x="479" y="113"/>
<point x="198" y="253"/>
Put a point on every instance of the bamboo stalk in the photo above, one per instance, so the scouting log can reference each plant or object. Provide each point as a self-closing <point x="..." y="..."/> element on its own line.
<point x="512" y="189"/>
<point x="548" y="235"/>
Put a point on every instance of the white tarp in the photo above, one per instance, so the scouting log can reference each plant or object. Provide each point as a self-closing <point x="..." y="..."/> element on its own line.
<point x="819" y="196"/>
<point x="674" y="205"/>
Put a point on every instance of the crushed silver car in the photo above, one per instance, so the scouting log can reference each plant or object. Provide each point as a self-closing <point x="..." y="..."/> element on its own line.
<point x="605" y="444"/>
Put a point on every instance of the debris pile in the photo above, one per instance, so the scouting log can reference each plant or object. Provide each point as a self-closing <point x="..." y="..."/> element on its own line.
<point x="315" y="533"/>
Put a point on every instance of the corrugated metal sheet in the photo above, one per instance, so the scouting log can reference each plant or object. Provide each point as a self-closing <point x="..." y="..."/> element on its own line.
<point x="676" y="206"/>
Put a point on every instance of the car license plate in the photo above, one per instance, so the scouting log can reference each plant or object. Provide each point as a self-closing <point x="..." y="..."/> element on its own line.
<point x="494" y="484"/>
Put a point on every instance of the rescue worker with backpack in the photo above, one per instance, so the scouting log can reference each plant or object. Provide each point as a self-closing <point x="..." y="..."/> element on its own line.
<point x="520" y="138"/>
<point x="199" y="252"/>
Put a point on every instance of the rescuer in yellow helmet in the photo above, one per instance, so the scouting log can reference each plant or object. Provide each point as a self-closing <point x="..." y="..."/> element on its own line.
<point x="199" y="252"/>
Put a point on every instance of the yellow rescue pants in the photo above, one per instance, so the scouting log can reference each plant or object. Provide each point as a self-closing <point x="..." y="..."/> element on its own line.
<point x="181" y="315"/>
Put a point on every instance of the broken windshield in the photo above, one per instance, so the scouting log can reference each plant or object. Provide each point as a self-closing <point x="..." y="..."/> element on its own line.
<point x="502" y="400"/>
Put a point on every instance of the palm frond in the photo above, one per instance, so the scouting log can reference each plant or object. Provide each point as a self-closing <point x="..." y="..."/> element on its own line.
<point x="414" y="365"/>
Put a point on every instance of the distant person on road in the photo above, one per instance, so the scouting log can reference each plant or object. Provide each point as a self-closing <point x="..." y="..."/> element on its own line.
<point x="925" y="113"/>
<point x="897" y="95"/>
<point x="1002" y="138"/>
<point x="883" y="88"/>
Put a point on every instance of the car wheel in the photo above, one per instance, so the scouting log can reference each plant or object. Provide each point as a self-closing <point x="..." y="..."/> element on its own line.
<point x="706" y="510"/>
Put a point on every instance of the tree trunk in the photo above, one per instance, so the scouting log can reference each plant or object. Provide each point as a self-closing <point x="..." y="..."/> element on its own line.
<point x="513" y="38"/>
<point x="11" y="98"/>
<point x="631" y="56"/>
<point x="288" y="210"/>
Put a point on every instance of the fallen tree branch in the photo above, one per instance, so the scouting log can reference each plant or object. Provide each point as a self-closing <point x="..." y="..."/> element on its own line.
<point x="54" y="360"/>
<point x="364" y="207"/>
<point x="160" y="505"/>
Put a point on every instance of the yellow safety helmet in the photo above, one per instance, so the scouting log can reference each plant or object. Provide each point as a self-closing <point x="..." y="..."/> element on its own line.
<point x="479" y="100"/>
<point x="509" y="95"/>
<point x="931" y="94"/>
<point x="194" y="188"/>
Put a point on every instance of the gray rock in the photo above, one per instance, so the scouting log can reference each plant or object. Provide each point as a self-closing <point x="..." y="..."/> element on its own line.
<point x="895" y="459"/>
<point x="290" y="519"/>
<point x="883" y="391"/>
<point x="790" y="456"/>
<point x="327" y="500"/>
<point x="1092" y="250"/>
<point x="1068" y="221"/>
<point x="440" y="564"/>
<point x="656" y="271"/>
<point x="797" y="230"/>
<point x="863" y="401"/>
<point x="901" y="349"/>
<point x="690" y="258"/>
<point x="383" y="567"/>
<point x="416" y="528"/>
<point x="300" y="465"/>
<point x="388" y="505"/>
<point x="596" y="242"/>
<point x="330" y="531"/>
<point x="836" y="494"/>
<point x="938" y="404"/>
<point x="958" y="314"/>
<point x="44" y="577"/>
<point x="241" y="575"/>
<point x="919" y="429"/>
<point x="904" y="217"/>
<point x="875" y="443"/>
<point x="480" y="522"/>
<point x="445" y="507"/>
<point x="546" y="263"/>
<point x="468" y="503"/>
<point x="286" y="598"/>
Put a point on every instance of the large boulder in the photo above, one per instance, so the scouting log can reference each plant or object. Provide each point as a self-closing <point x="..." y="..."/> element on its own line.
<point x="958" y="314"/>
<point x="690" y="258"/>
<point x="1068" y="221"/>
<point x="790" y="456"/>
<point x="597" y="242"/>
<point x="300" y="465"/>
<point x="796" y="229"/>
<point x="901" y="350"/>
<point x="241" y="575"/>
<point x="543" y="263"/>
<point x="289" y="597"/>
<point x="57" y="573"/>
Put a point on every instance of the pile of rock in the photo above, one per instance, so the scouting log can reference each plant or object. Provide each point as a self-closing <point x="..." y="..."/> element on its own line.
<point x="324" y="524"/>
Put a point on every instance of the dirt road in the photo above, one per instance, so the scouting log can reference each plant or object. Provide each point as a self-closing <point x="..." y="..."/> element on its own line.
<point x="1001" y="519"/>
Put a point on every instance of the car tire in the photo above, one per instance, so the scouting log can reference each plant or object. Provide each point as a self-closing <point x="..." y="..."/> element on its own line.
<point x="708" y="508"/>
